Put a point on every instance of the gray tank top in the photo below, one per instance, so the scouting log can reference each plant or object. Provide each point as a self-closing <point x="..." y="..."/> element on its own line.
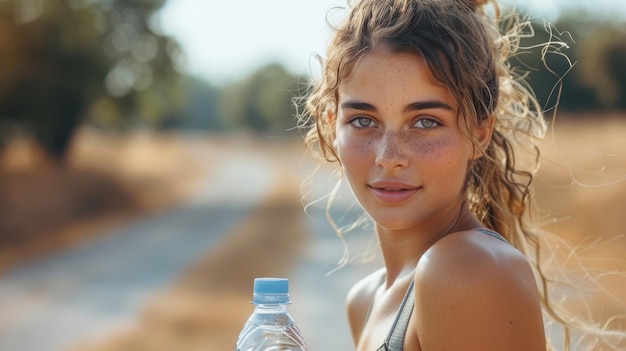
<point x="395" y="339"/>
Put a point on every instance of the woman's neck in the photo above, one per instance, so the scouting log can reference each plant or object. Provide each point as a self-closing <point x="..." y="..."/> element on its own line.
<point x="402" y="249"/>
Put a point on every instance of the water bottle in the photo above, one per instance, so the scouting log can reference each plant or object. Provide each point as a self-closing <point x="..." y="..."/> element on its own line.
<point x="270" y="327"/>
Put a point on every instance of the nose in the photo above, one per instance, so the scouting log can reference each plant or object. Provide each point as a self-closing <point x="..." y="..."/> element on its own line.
<point x="391" y="151"/>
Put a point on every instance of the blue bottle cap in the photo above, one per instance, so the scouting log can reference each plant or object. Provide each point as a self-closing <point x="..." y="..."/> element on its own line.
<point x="270" y="291"/>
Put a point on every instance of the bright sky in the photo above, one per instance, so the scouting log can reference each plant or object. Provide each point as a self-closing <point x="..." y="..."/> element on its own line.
<point x="226" y="39"/>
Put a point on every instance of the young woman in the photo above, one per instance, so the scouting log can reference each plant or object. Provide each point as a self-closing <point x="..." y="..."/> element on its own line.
<point x="418" y="107"/>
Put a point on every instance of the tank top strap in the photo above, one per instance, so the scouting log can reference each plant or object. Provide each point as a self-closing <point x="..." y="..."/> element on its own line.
<point x="492" y="234"/>
<point x="395" y="339"/>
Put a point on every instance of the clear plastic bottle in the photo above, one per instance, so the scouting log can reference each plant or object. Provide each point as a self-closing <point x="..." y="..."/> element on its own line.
<point x="270" y="327"/>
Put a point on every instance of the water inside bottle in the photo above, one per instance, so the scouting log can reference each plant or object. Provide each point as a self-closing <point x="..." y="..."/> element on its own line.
<point x="279" y="335"/>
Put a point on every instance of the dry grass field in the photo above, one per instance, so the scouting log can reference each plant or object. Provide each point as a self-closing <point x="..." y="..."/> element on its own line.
<point x="581" y="197"/>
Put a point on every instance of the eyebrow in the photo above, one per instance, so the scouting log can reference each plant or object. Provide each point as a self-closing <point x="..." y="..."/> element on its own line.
<point x="357" y="105"/>
<point x="414" y="106"/>
<point x="427" y="105"/>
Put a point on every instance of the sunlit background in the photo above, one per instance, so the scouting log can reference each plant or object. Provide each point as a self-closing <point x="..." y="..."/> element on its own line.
<point x="150" y="168"/>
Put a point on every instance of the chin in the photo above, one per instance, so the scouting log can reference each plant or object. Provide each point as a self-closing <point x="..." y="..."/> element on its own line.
<point x="391" y="223"/>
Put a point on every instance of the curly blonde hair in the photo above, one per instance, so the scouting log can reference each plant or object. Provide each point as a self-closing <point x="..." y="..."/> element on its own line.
<point x="467" y="46"/>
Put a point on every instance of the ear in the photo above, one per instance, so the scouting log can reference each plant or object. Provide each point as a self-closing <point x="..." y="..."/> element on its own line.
<point x="482" y="137"/>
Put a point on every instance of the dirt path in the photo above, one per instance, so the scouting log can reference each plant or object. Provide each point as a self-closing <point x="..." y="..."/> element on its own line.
<point x="206" y="308"/>
<point x="100" y="285"/>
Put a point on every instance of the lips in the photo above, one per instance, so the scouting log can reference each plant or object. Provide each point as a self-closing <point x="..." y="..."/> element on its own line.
<point x="392" y="192"/>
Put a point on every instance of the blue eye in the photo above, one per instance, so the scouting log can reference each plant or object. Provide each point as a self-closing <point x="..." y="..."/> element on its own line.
<point x="362" y="122"/>
<point x="427" y="123"/>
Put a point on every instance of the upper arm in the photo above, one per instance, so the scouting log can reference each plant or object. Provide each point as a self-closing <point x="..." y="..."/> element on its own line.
<point x="471" y="299"/>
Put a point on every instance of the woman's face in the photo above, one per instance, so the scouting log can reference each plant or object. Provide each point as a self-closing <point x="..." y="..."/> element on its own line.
<point x="398" y="139"/>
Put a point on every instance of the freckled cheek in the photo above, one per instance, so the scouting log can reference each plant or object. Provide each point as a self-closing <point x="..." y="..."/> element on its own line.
<point x="442" y="151"/>
<point x="429" y="149"/>
<point x="443" y="158"/>
<point x="353" y="150"/>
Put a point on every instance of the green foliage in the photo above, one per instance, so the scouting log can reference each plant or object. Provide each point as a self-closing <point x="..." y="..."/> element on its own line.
<point x="201" y="111"/>
<point x="587" y="73"/>
<point x="259" y="103"/>
<point x="62" y="60"/>
<point x="263" y="101"/>
<point x="603" y="65"/>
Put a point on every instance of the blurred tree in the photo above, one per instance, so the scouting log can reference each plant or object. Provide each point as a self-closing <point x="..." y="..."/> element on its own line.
<point x="584" y="58"/>
<point x="263" y="101"/>
<point x="603" y="65"/>
<point x="201" y="111"/>
<point x="61" y="60"/>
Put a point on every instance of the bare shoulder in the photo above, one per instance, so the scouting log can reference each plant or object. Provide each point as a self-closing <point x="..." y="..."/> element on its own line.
<point x="481" y="288"/>
<point x="359" y="300"/>
<point x="473" y="255"/>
